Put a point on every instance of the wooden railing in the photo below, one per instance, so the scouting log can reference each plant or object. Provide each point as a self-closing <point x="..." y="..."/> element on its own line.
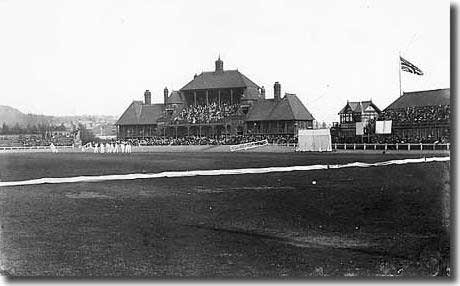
<point x="388" y="146"/>
<point x="335" y="146"/>
<point x="17" y="148"/>
<point x="284" y="144"/>
<point x="248" y="145"/>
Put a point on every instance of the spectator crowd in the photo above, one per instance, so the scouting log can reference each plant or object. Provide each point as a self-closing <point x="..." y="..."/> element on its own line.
<point x="213" y="140"/>
<point x="31" y="140"/>
<point x="416" y="114"/>
<point x="212" y="113"/>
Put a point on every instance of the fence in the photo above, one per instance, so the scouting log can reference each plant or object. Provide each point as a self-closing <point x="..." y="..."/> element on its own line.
<point x="388" y="146"/>
<point x="25" y="148"/>
<point x="335" y="146"/>
<point x="248" y="145"/>
<point x="284" y="144"/>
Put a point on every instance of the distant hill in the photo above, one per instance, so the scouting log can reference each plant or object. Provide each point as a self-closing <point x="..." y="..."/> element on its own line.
<point x="12" y="116"/>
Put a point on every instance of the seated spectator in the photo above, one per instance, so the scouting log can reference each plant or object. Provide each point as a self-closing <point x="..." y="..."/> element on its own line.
<point x="212" y="113"/>
<point x="416" y="114"/>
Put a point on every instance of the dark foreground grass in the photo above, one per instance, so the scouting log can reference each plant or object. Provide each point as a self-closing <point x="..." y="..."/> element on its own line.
<point x="22" y="166"/>
<point x="380" y="221"/>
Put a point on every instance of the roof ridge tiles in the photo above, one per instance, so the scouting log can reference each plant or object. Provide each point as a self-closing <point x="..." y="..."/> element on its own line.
<point x="220" y="79"/>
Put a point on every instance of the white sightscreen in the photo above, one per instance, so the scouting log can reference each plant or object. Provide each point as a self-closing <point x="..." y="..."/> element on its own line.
<point x="314" y="140"/>
<point x="359" y="128"/>
<point x="383" y="127"/>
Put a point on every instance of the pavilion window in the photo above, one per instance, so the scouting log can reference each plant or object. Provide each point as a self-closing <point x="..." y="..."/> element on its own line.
<point x="348" y="117"/>
<point x="290" y="127"/>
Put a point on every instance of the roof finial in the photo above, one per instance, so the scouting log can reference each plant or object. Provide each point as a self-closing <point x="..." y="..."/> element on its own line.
<point x="219" y="64"/>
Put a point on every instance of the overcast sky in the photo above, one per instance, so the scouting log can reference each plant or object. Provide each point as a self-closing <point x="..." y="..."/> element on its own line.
<point x="95" y="57"/>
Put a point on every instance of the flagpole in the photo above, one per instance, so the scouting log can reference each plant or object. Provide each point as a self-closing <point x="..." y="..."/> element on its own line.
<point x="399" y="60"/>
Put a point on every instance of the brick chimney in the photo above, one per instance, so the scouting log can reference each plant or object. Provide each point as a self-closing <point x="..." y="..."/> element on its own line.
<point x="147" y="97"/>
<point x="277" y="91"/>
<point x="165" y="95"/>
<point x="262" y="92"/>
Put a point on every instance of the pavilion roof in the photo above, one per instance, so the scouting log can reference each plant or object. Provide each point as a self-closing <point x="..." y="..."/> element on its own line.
<point x="359" y="106"/>
<point x="288" y="108"/>
<point x="219" y="79"/>
<point x="422" y="98"/>
<point x="139" y="113"/>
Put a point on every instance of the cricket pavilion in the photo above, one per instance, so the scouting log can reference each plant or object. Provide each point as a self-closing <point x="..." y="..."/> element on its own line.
<point x="215" y="103"/>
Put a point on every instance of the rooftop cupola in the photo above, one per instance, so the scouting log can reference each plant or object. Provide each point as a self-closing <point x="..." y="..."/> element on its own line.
<point x="219" y="64"/>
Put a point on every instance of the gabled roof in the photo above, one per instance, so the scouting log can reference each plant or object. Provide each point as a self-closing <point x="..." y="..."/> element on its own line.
<point x="139" y="113"/>
<point x="219" y="79"/>
<point x="288" y="108"/>
<point x="131" y="114"/>
<point x="251" y="93"/>
<point x="150" y="113"/>
<point x="176" y="98"/>
<point x="422" y="98"/>
<point x="359" y="106"/>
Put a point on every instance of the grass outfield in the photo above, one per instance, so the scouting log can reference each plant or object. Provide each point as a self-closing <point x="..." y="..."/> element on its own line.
<point x="391" y="220"/>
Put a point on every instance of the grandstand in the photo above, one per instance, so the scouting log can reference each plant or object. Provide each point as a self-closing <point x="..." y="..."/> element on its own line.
<point x="32" y="140"/>
<point x="416" y="117"/>
<point x="421" y="116"/>
<point x="215" y="104"/>
<point x="19" y="140"/>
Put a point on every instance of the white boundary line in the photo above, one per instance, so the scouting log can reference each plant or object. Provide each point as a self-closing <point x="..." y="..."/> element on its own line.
<point x="176" y="174"/>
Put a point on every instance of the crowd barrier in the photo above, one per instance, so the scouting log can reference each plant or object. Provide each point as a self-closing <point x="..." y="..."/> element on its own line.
<point x="249" y="145"/>
<point x="245" y="146"/>
<point x="391" y="146"/>
<point x="284" y="144"/>
<point x="23" y="148"/>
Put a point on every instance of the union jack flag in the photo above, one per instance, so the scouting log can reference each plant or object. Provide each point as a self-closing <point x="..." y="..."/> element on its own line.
<point x="409" y="67"/>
